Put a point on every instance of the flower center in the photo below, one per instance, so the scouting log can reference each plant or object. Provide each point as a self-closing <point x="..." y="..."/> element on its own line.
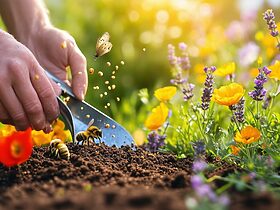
<point x="16" y="150"/>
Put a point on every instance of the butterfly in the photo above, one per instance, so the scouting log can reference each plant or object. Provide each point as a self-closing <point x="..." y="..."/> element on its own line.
<point x="103" y="45"/>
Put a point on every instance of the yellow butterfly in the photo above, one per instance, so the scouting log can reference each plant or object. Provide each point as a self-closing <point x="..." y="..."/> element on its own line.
<point x="103" y="45"/>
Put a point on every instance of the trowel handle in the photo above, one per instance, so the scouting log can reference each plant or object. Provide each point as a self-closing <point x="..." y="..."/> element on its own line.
<point x="64" y="87"/>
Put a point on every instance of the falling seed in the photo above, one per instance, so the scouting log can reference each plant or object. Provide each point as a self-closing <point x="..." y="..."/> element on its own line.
<point x="118" y="99"/>
<point x="113" y="77"/>
<point x="63" y="45"/>
<point x="87" y="116"/>
<point x="113" y="87"/>
<point x="67" y="99"/>
<point x="109" y="88"/>
<point x="107" y="125"/>
<point x="105" y="107"/>
<point x="96" y="87"/>
<point x="107" y="82"/>
<point x="108" y="63"/>
<point x="113" y="126"/>
<point x="91" y="70"/>
<point x="113" y="136"/>
<point x="113" y="72"/>
<point x="36" y="76"/>
<point x="117" y="67"/>
<point x="79" y="72"/>
<point x="108" y="104"/>
<point x="100" y="73"/>
<point x="82" y="108"/>
<point x="101" y="95"/>
<point x="122" y="62"/>
<point x="105" y="93"/>
<point x="144" y="49"/>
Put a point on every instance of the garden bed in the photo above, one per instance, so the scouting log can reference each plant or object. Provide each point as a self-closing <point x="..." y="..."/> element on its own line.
<point x="101" y="177"/>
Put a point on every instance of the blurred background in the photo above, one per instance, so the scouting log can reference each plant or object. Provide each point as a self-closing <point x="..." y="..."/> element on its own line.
<point x="214" y="31"/>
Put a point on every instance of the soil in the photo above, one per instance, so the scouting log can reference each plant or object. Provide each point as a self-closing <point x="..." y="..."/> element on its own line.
<point x="101" y="177"/>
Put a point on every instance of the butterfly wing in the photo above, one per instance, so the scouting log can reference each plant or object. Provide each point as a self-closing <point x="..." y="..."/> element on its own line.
<point x="103" y="49"/>
<point x="101" y="40"/>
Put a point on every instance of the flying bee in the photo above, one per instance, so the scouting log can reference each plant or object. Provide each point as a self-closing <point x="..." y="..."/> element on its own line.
<point x="103" y="45"/>
<point x="89" y="135"/>
<point x="58" y="149"/>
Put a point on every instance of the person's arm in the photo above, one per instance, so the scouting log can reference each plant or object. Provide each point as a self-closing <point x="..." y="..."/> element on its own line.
<point x="23" y="18"/>
<point x="28" y="21"/>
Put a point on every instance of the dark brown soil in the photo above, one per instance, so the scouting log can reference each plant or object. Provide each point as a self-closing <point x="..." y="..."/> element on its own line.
<point x="101" y="177"/>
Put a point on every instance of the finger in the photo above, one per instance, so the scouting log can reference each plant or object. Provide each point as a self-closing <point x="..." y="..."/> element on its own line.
<point x="14" y="108"/>
<point x="45" y="92"/>
<point x="77" y="62"/>
<point x="31" y="103"/>
<point x="56" y="87"/>
<point x="4" y="115"/>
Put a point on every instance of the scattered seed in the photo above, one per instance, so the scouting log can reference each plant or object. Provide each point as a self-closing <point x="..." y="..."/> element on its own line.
<point x="82" y="108"/>
<point x="67" y="99"/>
<point x="118" y="99"/>
<point x="113" y="87"/>
<point x="113" y="77"/>
<point x="100" y="73"/>
<point x="105" y="93"/>
<point x="144" y="49"/>
<point x="113" y="126"/>
<point x="108" y="63"/>
<point x="113" y="136"/>
<point x="109" y="88"/>
<point x="107" y="125"/>
<point x="107" y="82"/>
<point x="79" y="72"/>
<point x="91" y="70"/>
<point x="87" y="116"/>
<point x="105" y="107"/>
<point x="96" y="87"/>
<point x="63" y="45"/>
<point x="101" y="95"/>
<point x="37" y="76"/>
<point x="117" y="67"/>
<point x="108" y="104"/>
<point x="113" y="72"/>
<point x="122" y="62"/>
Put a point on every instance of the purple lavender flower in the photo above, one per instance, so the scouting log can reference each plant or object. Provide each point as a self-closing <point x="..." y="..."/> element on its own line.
<point x="188" y="91"/>
<point x="171" y="55"/>
<point x="208" y="90"/>
<point x="199" y="149"/>
<point x="269" y="17"/>
<point x="178" y="80"/>
<point x="155" y="141"/>
<point x="267" y="102"/>
<point x="196" y="181"/>
<point x="248" y="54"/>
<point x="239" y="110"/>
<point x="199" y="165"/>
<point x="259" y="93"/>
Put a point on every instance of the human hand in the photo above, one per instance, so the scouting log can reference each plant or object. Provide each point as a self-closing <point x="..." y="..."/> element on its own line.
<point x="27" y="97"/>
<point x="47" y="46"/>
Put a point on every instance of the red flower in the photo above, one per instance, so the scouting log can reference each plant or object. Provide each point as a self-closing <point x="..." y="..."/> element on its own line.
<point x="16" y="148"/>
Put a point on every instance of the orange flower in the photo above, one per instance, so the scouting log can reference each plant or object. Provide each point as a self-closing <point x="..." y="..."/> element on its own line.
<point x="40" y="138"/>
<point x="165" y="93"/>
<point x="16" y="148"/>
<point x="229" y="94"/>
<point x="225" y="70"/>
<point x="157" y="117"/>
<point x="275" y="70"/>
<point x="234" y="150"/>
<point x="248" y="135"/>
<point x="7" y="130"/>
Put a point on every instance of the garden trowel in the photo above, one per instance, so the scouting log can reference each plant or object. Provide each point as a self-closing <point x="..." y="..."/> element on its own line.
<point x="77" y="115"/>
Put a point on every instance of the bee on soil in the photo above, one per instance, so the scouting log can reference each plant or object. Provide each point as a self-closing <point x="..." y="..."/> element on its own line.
<point x="58" y="149"/>
<point x="89" y="135"/>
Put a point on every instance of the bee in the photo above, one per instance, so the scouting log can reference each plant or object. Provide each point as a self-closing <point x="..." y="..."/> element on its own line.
<point x="89" y="135"/>
<point x="59" y="150"/>
<point x="103" y="45"/>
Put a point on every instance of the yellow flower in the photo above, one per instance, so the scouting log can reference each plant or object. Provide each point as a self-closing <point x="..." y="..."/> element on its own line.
<point x="234" y="149"/>
<point x="225" y="70"/>
<point x="157" y="117"/>
<point x="7" y="130"/>
<point x="229" y="94"/>
<point x="248" y="135"/>
<point x="40" y="138"/>
<point x="275" y="70"/>
<point x="165" y="93"/>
